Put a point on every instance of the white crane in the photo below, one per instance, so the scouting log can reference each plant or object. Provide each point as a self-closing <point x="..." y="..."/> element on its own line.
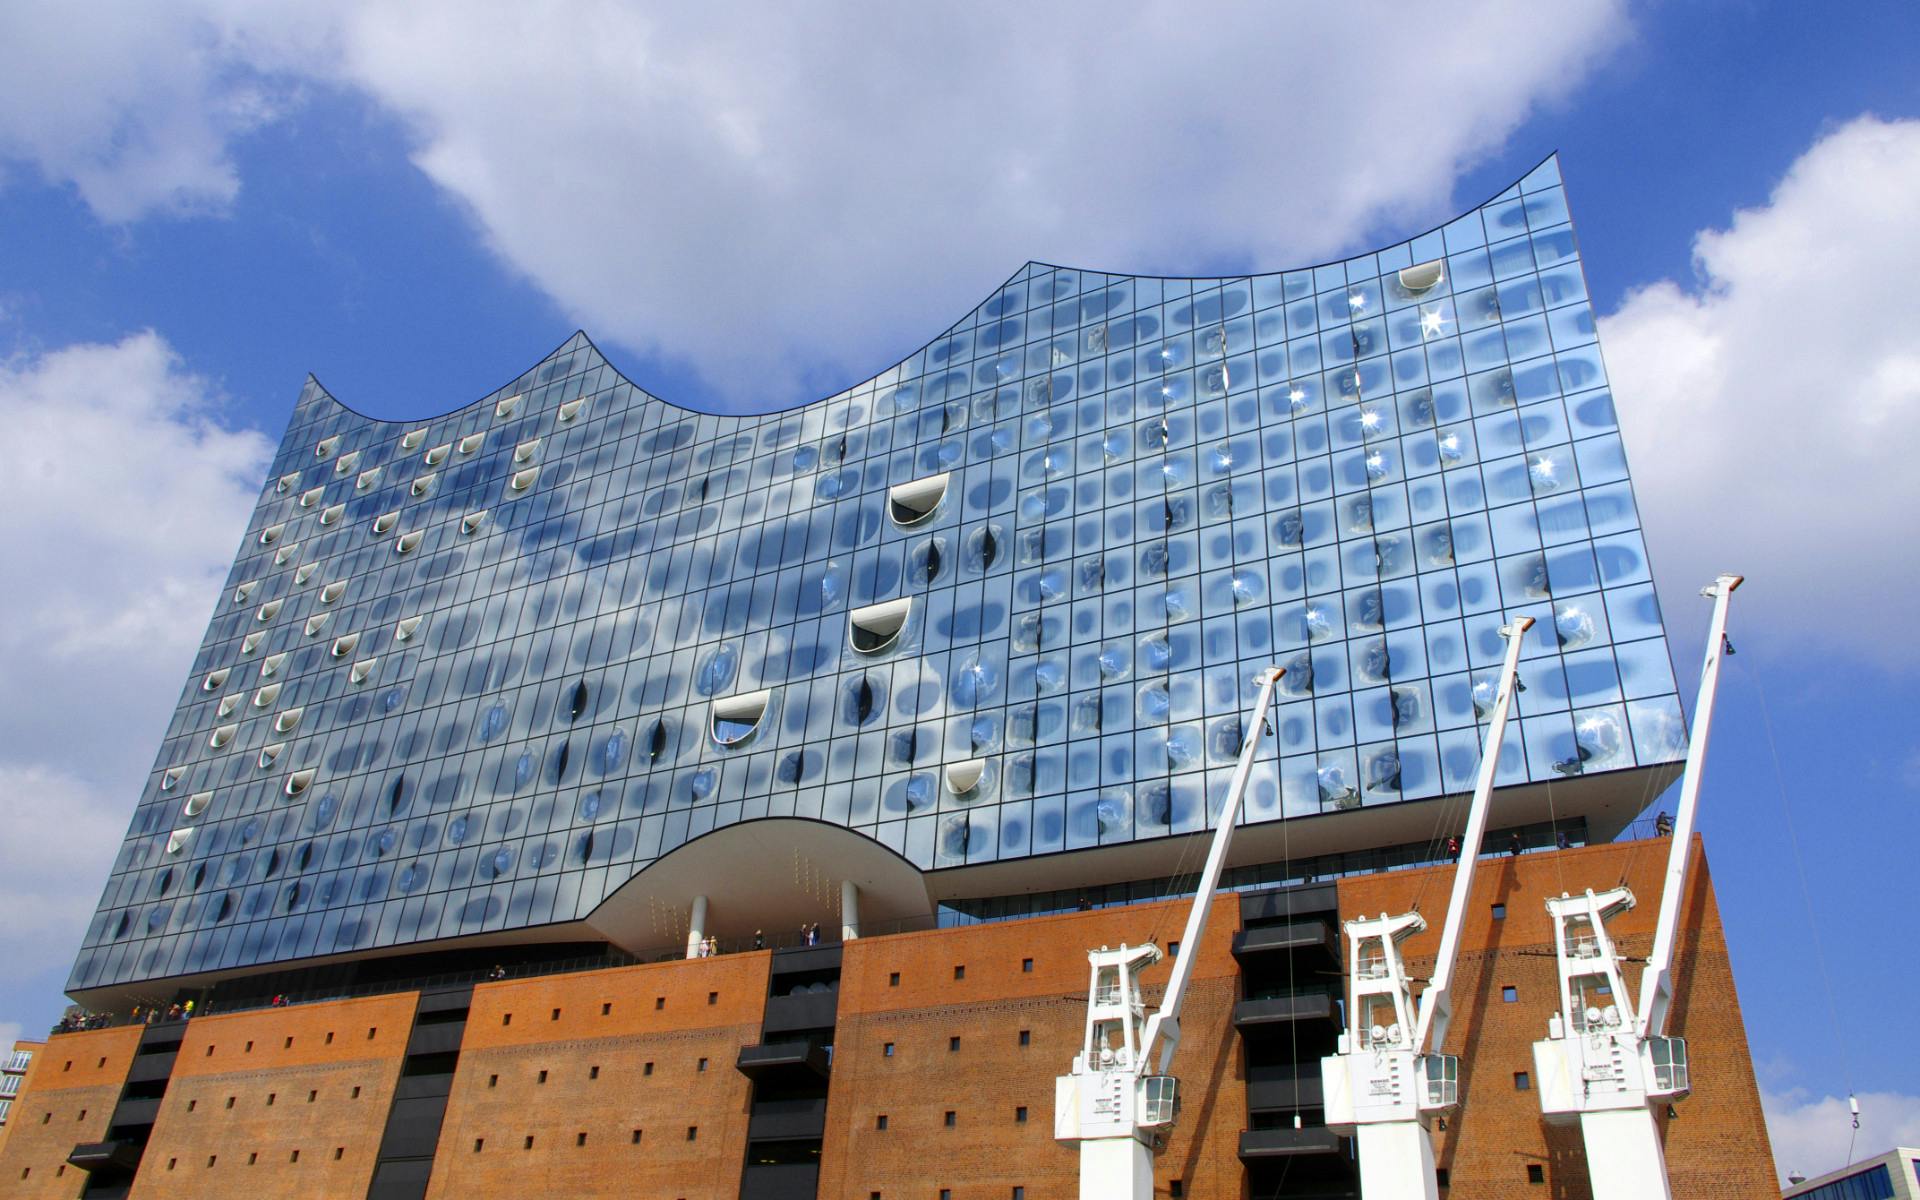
<point x="1604" y="1061"/>
<point x="1110" y="1104"/>
<point x="1388" y="1082"/>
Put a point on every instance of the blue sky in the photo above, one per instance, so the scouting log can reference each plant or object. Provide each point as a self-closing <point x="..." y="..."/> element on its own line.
<point x="199" y="206"/>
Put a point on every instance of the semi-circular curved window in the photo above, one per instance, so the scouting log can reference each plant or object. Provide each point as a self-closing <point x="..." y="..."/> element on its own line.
<point x="196" y="804"/>
<point x="524" y="452"/>
<point x="289" y="720"/>
<point x="222" y="735"/>
<point x="911" y="503"/>
<point x="963" y="777"/>
<point x="367" y="479"/>
<point x="406" y="543"/>
<point x="251" y="642"/>
<point x="327" y="446"/>
<point x="271" y="533"/>
<point x="404" y="631"/>
<point x="241" y="593"/>
<point x="284" y="554"/>
<point x="268" y="611"/>
<point x="227" y="705"/>
<point x="522" y="480"/>
<point x="359" y="671"/>
<point x="507" y="407"/>
<point x="386" y="520"/>
<point x="1423" y="277"/>
<point x="178" y="839"/>
<point x="570" y="410"/>
<point x="733" y="719"/>
<point x="411" y="439"/>
<point x="311" y="496"/>
<point x="423" y="484"/>
<point x="344" y="645"/>
<point x="286" y="482"/>
<point x="317" y="622"/>
<point x="305" y="571"/>
<point x="170" y="777"/>
<point x="271" y="754"/>
<point x="215" y="679"/>
<point x="332" y="513"/>
<point x="299" y="782"/>
<point x="347" y="463"/>
<point x="271" y="664"/>
<point x="333" y="591"/>
<point x="472" y="442"/>
<point x="438" y="454"/>
<point x="473" y="521"/>
<point x="266" y="695"/>
<point x="877" y="627"/>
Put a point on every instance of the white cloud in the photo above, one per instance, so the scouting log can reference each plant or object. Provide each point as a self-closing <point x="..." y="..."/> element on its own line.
<point x="1782" y="386"/>
<point x="1812" y="1136"/>
<point x="127" y="496"/>
<point x="133" y="105"/>
<point x="789" y="196"/>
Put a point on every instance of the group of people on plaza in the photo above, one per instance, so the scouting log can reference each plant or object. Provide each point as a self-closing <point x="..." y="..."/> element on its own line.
<point x="709" y="946"/>
<point x="142" y="1014"/>
<point x="154" y="1014"/>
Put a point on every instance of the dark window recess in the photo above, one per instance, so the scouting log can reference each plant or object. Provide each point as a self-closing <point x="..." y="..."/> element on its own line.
<point x="880" y="1122"/>
<point x="1536" y="1173"/>
<point x="430" y="1064"/>
<point x="951" y="1119"/>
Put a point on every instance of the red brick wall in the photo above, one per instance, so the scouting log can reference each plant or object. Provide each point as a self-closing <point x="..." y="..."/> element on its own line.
<point x="987" y="1152"/>
<point x="1716" y="1150"/>
<point x="621" y="1020"/>
<point x="617" y="1021"/>
<point x="66" y="1098"/>
<point x="278" y="1102"/>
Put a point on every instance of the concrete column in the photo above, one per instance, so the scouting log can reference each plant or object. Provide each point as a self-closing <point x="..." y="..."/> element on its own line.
<point x="697" y="927"/>
<point x="849" y="911"/>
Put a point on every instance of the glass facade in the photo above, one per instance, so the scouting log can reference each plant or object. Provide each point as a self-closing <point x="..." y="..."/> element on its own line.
<point x="1874" y="1183"/>
<point x="472" y="673"/>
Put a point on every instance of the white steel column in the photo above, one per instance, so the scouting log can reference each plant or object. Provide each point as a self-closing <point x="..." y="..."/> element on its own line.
<point x="1396" y="1161"/>
<point x="1115" y="1169"/>
<point x="849" y="911"/>
<point x="1624" y="1154"/>
<point x="697" y="927"/>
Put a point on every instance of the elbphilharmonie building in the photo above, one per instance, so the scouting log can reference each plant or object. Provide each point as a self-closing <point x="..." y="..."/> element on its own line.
<point x="576" y="794"/>
<point x="995" y="611"/>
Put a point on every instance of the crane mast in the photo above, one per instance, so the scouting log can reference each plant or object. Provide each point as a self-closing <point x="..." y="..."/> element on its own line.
<point x="1110" y="1104"/>
<point x="1389" y="1078"/>
<point x="1606" y="1061"/>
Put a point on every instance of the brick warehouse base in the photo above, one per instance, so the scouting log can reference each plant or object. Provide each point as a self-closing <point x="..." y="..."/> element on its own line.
<point x="710" y="1079"/>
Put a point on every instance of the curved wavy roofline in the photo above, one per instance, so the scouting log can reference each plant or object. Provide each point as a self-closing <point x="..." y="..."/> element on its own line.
<point x="1030" y="263"/>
